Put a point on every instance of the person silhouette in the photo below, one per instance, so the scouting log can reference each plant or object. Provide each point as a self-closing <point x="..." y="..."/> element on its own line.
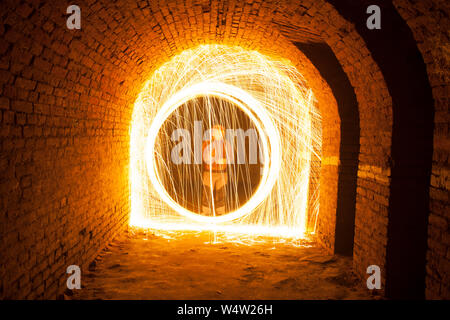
<point x="214" y="172"/>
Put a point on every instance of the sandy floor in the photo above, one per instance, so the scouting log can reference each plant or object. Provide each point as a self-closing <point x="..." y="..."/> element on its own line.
<point x="148" y="265"/>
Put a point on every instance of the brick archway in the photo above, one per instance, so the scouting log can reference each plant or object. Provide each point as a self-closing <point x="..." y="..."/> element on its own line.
<point x="67" y="99"/>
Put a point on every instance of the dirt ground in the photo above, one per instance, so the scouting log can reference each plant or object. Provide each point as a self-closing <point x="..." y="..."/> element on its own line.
<point x="200" y="265"/>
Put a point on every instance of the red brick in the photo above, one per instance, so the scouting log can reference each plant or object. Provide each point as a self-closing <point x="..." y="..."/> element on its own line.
<point x="22" y="106"/>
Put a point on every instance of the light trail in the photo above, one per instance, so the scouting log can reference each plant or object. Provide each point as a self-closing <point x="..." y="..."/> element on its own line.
<point x="277" y="100"/>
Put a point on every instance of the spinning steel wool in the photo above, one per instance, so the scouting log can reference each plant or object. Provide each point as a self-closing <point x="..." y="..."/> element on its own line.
<point x="273" y="98"/>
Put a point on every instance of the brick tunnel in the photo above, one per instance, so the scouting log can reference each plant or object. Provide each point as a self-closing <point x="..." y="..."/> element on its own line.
<point x="67" y="103"/>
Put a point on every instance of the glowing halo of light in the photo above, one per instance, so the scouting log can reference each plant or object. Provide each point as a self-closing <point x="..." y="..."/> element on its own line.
<point x="266" y="129"/>
<point x="292" y="207"/>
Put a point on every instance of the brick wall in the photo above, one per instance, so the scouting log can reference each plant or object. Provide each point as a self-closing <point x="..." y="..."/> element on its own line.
<point x="64" y="141"/>
<point x="375" y="114"/>
<point x="66" y="104"/>
<point x="429" y="22"/>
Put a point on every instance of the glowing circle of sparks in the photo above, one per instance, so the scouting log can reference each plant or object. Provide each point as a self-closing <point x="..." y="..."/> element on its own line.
<point x="270" y="138"/>
<point x="272" y="92"/>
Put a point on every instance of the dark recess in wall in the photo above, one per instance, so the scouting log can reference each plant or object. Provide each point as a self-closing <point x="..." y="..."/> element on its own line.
<point x="330" y="69"/>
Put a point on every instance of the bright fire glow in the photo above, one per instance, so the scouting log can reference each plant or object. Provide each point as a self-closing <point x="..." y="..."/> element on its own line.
<point x="274" y="95"/>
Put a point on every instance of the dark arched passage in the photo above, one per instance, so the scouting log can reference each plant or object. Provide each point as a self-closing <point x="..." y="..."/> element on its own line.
<point x="329" y="67"/>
